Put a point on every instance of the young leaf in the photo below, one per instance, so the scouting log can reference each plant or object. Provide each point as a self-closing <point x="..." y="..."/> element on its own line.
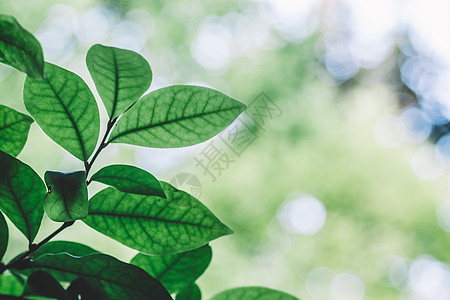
<point x="191" y="292"/>
<point x="152" y="224"/>
<point x="42" y="284"/>
<point x="4" y="236"/>
<point x="14" y="127"/>
<point x="56" y="247"/>
<point x="176" y="116"/>
<point x="67" y="197"/>
<point x="120" y="76"/>
<point x="176" y="271"/>
<point x="253" y="293"/>
<point x="21" y="195"/>
<point x="115" y="279"/>
<point x="65" y="109"/>
<point x="129" y="179"/>
<point x="19" y="48"/>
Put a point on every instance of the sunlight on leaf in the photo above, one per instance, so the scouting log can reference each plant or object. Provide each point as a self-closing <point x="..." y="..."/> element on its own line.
<point x="65" y="109"/>
<point x="120" y="76"/>
<point x="10" y="285"/>
<point x="129" y="179"/>
<point x="176" y="116"/>
<point x="154" y="225"/>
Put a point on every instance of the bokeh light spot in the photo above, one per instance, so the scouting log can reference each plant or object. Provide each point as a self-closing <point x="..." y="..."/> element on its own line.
<point x="347" y="286"/>
<point x="302" y="215"/>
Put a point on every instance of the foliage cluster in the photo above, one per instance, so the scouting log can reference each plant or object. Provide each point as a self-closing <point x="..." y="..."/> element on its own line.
<point x="170" y="228"/>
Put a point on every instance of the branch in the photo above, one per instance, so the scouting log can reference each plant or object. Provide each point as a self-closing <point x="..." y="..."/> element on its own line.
<point x="102" y="145"/>
<point x="33" y="248"/>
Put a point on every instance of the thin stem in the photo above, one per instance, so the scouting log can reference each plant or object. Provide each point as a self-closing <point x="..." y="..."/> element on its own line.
<point x="34" y="247"/>
<point x="102" y="145"/>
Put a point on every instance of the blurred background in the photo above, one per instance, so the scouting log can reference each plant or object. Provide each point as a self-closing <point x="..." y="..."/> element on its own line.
<point x="335" y="181"/>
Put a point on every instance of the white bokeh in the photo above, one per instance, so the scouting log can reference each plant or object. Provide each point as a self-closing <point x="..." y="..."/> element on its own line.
<point x="302" y="214"/>
<point x="347" y="286"/>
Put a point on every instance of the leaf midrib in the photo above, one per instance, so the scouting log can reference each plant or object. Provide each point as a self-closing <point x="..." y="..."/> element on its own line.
<point x="35" y="62"/>
<point x="16" y="200"/>
<point x="122" y="215"/>
<point x="116" y="90"/>
<point x="171" y="265"/>
<point x="71" y="121"/>
<point x="169" y="121"/>
<point x="14" y="123"/>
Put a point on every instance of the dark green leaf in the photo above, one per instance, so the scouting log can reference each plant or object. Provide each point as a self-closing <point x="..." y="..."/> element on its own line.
<point x="67" y="197"/>
<point x="176" y="116"/>
<point x="129" y="179"/>
<point x="21" y="195"/>
<point x="42" y="284"/>
<point x="19" y="48"/>
<point x="72" y="248"/>
<point x="253" y="293"/>
<point x="191" y="292"/>
<point x="116" y="279"/>
<point x="65" y="109"/>
<point x="10" y="285"/>
<point x="14" y="127"/>
<point x="12" y="297"/>
<point x="152" y="224"/>
<point x="4" y="236"/>
<point x="80" y="287"/>
<point x="176" y="271"/>
<point x="120" y="76"/>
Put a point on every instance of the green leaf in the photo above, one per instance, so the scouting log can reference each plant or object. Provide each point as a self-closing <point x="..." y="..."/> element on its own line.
<point x="152" y="224"/>
<point x="4" y="236"/>
<point x="191" y="292"/>
<point x="21" y="195"/>
<point x="72" y="248"/>
<point x="115" y="279"/>
<point x="14" y="127"/>
<point x="67" y="197"/>
<point x="176" y="271"/>
<point x="176" y="116"/>
<point x="120" y="76"/>
<point x="80" y="287"/>
<point x="10" y="285"/>
<point x="19" y="48"/>
<point x="42" y="284"/>
<point x="65" y="109"/>
<point x="129" y="179"/>
<point x="253" y="293"/>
